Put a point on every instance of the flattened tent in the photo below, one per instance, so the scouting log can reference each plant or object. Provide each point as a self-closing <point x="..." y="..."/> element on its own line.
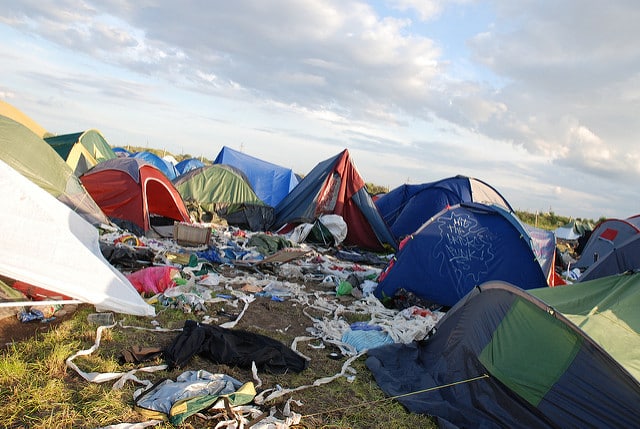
<point x="564" y="357"/>
<point x="573" y="230"/>
<point x="166" y="167"/>
<point x="37" y="161"/>
<point x="459" y="248"/>
<point x="407" y="207"/>
<point x="82" y="150"/>
<point x="270" y="182"/>
<point x="132" y="190"/>
<point x="334" y="186"/>
<point x="605" y="237"/>
<point x="222" y="189"/>
<point x="47" y="245"/>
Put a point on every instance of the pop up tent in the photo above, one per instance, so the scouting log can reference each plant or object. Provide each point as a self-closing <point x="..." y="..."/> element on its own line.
<point x="37" y="161"/>
<point x="623" y="257"/>
<point x="564" y="357"/>
<point x="132" y="190"/>
<point x="47" y="245"/>
<point x="9" y="111"/>
<point x="334" y="186"/>
<point x="82" y="150"/>
<point x="270" y="182"/>
<point x="407" y="207"/>
<point x="222" y="190"/>
<point x="121" y="152"/>
<point x="166" y="167"/>
<point x="187" y="165"/>
<point x="459" y="248"/>
<point x="605" y="237"/>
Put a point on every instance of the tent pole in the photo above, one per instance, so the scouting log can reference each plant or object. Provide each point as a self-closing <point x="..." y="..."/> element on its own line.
<point x="38" y="303"/>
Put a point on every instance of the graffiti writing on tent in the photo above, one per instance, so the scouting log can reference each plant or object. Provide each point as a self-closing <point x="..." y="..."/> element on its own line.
<point x="465" y="249"/>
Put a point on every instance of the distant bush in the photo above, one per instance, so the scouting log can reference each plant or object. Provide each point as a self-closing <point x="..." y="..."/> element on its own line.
<point x="549" y="220"/>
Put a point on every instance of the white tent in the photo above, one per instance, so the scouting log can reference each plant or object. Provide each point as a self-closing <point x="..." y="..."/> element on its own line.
<point x="566" y="233"/>
<point x="46" y="244"/>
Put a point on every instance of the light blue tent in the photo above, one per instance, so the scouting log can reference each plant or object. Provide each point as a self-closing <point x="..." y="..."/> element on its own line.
<point x="270" y="182"/>
<point x="167" y="168"/>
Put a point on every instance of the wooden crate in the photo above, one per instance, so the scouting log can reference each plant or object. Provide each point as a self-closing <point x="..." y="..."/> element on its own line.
<point x="187" y="234"/>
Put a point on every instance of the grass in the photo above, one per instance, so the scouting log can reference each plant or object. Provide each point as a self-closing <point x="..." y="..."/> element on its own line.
<point x="39" y="391"/>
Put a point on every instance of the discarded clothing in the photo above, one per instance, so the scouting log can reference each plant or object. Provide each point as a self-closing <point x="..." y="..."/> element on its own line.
<point x="232" y="347"/>
<point x="268" y="244"/>
<point x="366" y="339"/>
<point x="154" y="280"/>
<point x="137" y="354"/>
<point x="192" y="392"/>
<point x="404" y="299"/>
<point x="368" y="258"/>
<point x="127" y="257"/>
<point x="211" y="255"/>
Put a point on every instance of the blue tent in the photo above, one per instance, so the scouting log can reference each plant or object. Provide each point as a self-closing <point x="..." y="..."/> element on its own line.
<point x="459" y="248"/>
<point x="407" y="207"/>
<point x="187" y="165"/>
<point x="167" y="168"/>
<point x="623" y="257"/>
<point x="121" y="152"/>
<point x="606" y="236"/>
<point x="270" y="182"/>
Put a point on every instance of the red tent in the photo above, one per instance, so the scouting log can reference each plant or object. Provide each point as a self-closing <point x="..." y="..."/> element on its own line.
<point x="132" y="190"/>
<point x="334" y="186"/>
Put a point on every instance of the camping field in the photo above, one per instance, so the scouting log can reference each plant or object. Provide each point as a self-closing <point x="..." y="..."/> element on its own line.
<point x="38" y="390"/>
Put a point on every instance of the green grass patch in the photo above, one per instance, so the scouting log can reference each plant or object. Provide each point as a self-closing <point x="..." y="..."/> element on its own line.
<point x="37" y="389"/>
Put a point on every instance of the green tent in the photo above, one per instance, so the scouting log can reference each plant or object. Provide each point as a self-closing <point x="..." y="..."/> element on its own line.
<point x="606" y="309"/>
<point x="31" y="156"/>
<point x="567" y="356"/>
<point x="82" y="150"/>
<point x="222" y="190"/>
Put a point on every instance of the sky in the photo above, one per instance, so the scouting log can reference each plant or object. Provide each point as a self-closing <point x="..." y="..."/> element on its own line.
<point x="540" y="99"/>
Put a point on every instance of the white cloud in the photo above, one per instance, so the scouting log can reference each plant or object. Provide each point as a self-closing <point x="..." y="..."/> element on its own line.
<point x="550" y="88"/>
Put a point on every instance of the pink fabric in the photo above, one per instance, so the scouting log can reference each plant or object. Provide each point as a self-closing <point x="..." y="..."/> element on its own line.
<point x="153" y="280"/>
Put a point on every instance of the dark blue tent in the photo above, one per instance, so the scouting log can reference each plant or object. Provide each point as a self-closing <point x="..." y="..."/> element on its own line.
<point x="187" y="165"/>
<point x="407" y="207"/>
<point x="334" y="186"/>
<point x="270" y="182"/>
<point x="459" y="248"/>
<point x="503" y="357"/>
<point x="606" y="236"/>
<point x="623" y="257"/>
<point x="167" y="168"/>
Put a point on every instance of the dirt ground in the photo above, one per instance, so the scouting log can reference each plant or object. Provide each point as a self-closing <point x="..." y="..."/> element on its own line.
<point x="13" y="330"/>
<point x="284" y="319"/>
<point x="280" y="320"/>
